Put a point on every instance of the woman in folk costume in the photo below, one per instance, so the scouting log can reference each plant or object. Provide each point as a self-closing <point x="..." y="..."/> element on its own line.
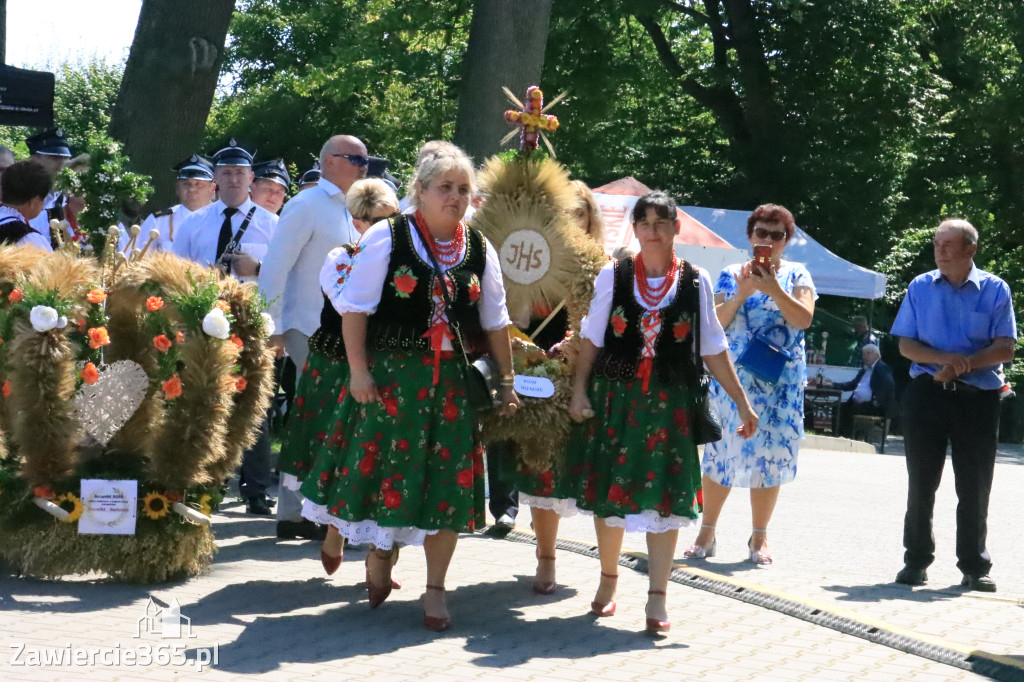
<point x="403" y="463"/>
<point x="634" y="461"/>
<point x="325" y="374"/>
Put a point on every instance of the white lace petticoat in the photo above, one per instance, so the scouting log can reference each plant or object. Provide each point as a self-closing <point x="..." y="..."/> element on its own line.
<point x="368" y="531"/>
<point x="290" y="482"/>
<point x="647" y="521"/>
<point x="561" y="506"/>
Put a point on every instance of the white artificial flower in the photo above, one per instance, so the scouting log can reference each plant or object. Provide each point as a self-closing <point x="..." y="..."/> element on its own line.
<point x="216" y="324"/>
<point x="44" y="318"/>
<point x="268" y="324"/>
<point x="62" y="321"/>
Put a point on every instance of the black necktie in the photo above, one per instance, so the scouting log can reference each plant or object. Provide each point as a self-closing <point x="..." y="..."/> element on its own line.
<point x="225" y="232"/>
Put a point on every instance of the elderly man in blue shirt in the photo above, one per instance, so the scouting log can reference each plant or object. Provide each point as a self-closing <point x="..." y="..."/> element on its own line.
<point x="956" y="325"/>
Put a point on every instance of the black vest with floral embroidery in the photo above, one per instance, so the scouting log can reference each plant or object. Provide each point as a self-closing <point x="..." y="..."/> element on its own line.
<point x="327" y="339"/>
<point x="406" y="304"/>
<point x="624" y="337"/>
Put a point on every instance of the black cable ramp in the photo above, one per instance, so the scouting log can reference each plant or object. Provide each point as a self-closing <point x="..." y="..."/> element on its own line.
<point x="994" y="666"/>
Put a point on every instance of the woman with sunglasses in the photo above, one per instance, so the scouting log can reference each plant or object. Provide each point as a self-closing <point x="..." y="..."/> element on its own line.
<point x="402" y="462"/>
<point x="632" y="460"/>
<point x="774" y="299"/>
<point x="323" y="378"/>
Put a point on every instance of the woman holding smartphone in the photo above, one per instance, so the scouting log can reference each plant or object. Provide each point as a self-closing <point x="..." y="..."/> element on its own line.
<point x="775" y="298"/>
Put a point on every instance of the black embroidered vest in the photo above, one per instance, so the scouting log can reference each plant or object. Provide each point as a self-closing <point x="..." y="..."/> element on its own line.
<point x="327" y="339"/>
<point x="13" y="231"/>
<point x="406" y="305"/>
<point x="624" y="337"/>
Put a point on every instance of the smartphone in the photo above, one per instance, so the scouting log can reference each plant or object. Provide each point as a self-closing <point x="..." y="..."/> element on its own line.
<point x="762" y="261"/>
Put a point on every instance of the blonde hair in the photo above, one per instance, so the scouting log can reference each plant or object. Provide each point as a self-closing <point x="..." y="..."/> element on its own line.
<point x="595" y="223"/>
<point x="369" y="195"/>
<point x="443" y="158"/>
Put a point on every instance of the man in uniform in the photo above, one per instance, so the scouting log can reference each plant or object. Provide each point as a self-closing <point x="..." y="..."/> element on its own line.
<point x="195" y="189"/>
<point x="270" y="188"/>
<point x="313" y="223"/>
<point x="50" y="150"/>
<point x="309" y="179"/>
<point x="233" y="233"/>
<point x="956" y="325"/>
<point x="24" y="187"/>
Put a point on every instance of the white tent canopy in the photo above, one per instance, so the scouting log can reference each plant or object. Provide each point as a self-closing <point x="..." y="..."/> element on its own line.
<point x="831" y="274"/>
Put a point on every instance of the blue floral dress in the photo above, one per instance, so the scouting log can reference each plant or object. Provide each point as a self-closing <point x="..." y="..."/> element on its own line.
<point x="768" y="458"/>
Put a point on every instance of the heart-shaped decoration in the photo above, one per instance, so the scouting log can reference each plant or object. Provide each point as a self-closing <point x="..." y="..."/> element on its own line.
<point x="104" y="407"/>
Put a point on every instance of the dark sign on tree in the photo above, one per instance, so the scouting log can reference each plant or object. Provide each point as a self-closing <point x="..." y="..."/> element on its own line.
<point x="26" y="97"/>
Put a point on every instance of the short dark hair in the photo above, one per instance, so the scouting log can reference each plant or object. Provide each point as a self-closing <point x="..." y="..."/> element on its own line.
<point x="664" y="206"/>
<point x="772" y="214"/>
<point x="24" y="181"/>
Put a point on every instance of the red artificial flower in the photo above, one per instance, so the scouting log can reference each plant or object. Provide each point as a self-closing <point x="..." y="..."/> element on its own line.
<point x="465" y="478"/>
<point x="98" y="337"/>
<point x="162" y="343"/>
<point x="172" y="388"/>
<point x="154" y="303"/>
<point x="179" y="337"/>
<point x="15" y="296"/>
<point x="240" y="383"/>
<point x="681" y="330"/>
<point x="96" y="296"/>
<point x="89" y="373"/>
<point x="223" y="305"/>
<point x="237" y="341"/>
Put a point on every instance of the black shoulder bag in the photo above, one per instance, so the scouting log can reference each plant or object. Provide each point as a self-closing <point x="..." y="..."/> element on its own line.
<point x="482" y="376"/>
<point x="707" y="425"/>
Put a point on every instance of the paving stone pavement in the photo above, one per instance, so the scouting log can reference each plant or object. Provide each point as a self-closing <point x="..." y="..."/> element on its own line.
<point x="272" y="614"/>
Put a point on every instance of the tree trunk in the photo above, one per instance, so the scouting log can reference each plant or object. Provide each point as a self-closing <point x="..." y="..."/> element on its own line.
<point x="168" y="85"/>
<point x="3" y="31"/>
<point x="506" y="47"/>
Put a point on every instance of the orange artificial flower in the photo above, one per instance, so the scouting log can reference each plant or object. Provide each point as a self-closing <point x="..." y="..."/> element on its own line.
<point x="162" y="343"/>
<point x="179" y="337"/>
<point x="43" y="491"/>
<point x="154" y="303"/>
<point x="98" y="336"/>
<point x="96" y="296"/>
<point x="224" y="305"/>
<point x="172" y="387"/>
<point x="237" y="341"/>
<point x="240" y="383"/>
<point x="81" y="324"/>
<point x="6" y="388"/>
<point x="15" y="296"/>
<point x="89" y="373"/>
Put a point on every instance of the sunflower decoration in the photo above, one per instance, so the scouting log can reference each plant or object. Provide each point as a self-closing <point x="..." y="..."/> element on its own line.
<point x="70" y="503"/>
<point x="155" y="505"/>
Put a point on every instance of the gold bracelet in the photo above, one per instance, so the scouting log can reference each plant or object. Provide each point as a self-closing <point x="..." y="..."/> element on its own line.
<point x="508" y="377"/>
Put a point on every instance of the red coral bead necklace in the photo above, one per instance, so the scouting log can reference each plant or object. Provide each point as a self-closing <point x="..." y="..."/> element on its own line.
<point x="652" y="295"/>
<point x="446" y="254"/>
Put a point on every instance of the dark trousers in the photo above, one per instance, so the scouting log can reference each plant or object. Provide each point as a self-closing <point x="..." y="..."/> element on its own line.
<point x="847" y="412"/>
<point x="969" y="421"/>
<point x="254" y="476"/>
<point x="504" y="499"/>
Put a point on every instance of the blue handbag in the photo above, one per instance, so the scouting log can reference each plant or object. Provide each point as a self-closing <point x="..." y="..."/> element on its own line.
<point x="763" y="357"/>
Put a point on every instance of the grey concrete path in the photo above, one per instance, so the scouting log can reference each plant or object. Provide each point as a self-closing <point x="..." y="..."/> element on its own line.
<point x="270" y="613"/>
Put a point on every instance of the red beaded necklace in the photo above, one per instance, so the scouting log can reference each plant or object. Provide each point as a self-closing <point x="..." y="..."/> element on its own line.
<point x="446" y="254"/>
<point x="652" y="295"/>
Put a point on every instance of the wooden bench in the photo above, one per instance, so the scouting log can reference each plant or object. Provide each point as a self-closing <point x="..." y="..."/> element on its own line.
<point x="864" y="425"/>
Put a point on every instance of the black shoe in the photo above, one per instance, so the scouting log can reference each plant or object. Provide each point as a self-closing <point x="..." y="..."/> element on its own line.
<point x="912" y="576"/>
<point x="978" y="583"/>
<point x="289" y="530"/>
<point x="504" y="525"/>
<point x="257" y="504"/>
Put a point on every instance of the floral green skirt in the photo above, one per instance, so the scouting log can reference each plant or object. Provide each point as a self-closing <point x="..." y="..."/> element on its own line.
<point x="401" y="468"/>
<point x="635" y="463"/>
<point x="320" y="388"/>
<point x="548" y="489"/>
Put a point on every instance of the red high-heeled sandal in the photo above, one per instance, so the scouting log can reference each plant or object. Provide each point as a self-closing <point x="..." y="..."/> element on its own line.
<point x="376" y="594"/>
<point x="435" y="623"/>
<point x="655" y="626"/>
<point x="604" y="610"/>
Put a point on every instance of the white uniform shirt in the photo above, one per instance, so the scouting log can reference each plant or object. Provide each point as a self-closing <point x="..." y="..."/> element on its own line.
<point x="41" y="223"/>
<point x="862" y="392"/>
<point x="163" y="224"/>
<point x="712" y="336"/>
<point x="199" y="233"/>
<point x="312" y="223"/>
<point x="32" y="238"/>
<point x="369" y="273"/>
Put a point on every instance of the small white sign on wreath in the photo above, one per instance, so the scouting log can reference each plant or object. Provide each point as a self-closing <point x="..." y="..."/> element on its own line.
<point x="525" y="256"/>
<point x="104" y="407"/>
<point x="109" y="507"/>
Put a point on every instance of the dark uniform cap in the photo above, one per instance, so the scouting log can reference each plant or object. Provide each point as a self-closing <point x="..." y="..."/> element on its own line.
<point x="195" y="167"/>
<point x="273" y="170"/>
<point x="232" y="155"/>
<point x="378" y="168"/>
<point x="49" y="142"/>
<point x="312" y="176"/>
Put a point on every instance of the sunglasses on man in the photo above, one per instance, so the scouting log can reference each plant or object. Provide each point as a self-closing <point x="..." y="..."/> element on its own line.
<point x="776" y="235"/>
<point x="355" y="159"/>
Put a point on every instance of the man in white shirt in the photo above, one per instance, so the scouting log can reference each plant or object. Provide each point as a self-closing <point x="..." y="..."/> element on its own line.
<point x="873" y="390"/>
<point x="195" y="189"/>
<point x="50" y="150"/>
<point x="312" y="223"/>
<point x="24" y="187"/>
<point x="233" y="233"/>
